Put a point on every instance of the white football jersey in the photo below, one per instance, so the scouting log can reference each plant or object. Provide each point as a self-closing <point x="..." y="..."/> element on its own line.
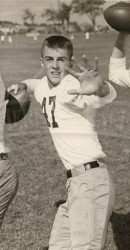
<point x="70" y="119"/>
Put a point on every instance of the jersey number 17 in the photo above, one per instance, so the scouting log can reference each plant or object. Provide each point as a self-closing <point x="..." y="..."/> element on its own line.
<point x="52" y="100"/>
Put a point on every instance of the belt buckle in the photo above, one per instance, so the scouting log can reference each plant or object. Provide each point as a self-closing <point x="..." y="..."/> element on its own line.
<point x="69" y="174"/>
<point x="3" y="156"/>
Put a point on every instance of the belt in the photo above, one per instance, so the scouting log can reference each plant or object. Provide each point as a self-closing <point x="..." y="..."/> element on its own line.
<point x="3" y="156"/>
<point x="81" y="169"/>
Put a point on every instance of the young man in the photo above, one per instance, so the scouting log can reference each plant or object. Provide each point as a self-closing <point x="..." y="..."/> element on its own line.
<point x="69" y="105"/>
<point x="8" y="177"/>
<point x="117" y="68"/>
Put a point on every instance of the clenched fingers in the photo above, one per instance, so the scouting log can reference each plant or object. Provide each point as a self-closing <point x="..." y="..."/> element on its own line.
<point x="13" y="88"/>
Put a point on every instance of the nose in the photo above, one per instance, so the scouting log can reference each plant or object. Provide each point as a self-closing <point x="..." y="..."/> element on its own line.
<point x="55" y="65"/>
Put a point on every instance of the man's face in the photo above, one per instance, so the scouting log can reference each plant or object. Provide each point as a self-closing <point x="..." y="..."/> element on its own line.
<point x="55" y="61"/>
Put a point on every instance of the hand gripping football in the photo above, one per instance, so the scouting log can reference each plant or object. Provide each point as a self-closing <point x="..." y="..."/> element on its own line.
<point x="118" y="16"/>
<point x="17" y="106"/>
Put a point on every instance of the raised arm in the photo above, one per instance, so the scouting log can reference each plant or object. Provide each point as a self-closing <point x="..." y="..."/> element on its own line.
<point x="117" y="67"/>
<point x="119" y="49"/>
<point x="2" y="115"/>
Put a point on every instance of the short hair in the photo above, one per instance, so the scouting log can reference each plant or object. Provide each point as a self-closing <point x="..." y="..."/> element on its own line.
<point x="58" y="41"/>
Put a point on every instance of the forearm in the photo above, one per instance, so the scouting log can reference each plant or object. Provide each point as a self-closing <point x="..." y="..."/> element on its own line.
<point x="119" y="49"/>
<point x="98" y="101"/>
<point x="109" y="97"/>
<point x="23" y="85"/>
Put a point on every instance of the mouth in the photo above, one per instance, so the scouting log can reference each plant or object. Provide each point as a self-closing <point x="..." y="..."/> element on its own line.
<point x="55" y="73"/>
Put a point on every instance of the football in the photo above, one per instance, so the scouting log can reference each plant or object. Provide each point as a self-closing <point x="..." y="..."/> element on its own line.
<point x="17" y="106"/>
<point x="118" y="16"/>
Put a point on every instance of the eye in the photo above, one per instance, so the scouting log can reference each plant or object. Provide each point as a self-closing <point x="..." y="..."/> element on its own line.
<point x="61" y="59"/>
<point x="48" y="59"/>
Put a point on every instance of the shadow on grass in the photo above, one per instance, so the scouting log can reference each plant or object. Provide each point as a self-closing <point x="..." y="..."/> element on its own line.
<point x="121" y="230"/>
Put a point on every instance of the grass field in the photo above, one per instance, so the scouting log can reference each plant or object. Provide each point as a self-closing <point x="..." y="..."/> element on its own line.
<point x="42" y="177"/>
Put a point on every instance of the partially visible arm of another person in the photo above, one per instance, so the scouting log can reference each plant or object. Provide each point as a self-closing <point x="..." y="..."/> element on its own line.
<point x="2" y="115"/>
<point x="117" y="67"/>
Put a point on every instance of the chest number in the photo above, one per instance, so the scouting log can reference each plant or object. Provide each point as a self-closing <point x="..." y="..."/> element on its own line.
<point x="52" y="100"/>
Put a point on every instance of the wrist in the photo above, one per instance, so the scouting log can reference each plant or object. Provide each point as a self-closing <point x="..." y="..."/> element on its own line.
<point x="104" y="90"/>
<point x="121" y="39"/>
<point x="22" y="85"/>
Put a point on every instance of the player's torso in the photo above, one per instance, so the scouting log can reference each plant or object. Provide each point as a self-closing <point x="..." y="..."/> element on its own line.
<point x="59" y="108"/>
<point x="50" y="108"/>
<point x="70" y="124"/>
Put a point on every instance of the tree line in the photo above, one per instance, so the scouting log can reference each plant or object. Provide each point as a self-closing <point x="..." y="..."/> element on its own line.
<point x="61" y="16"/>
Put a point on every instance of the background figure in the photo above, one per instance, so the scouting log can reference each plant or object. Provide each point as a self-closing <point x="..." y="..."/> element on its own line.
<point x="87" y="35"/>
<point x="2" y="38"/>
<point x="71" y="37"/>
<point x="8" y="176"/>
<point x="10" y="40"/>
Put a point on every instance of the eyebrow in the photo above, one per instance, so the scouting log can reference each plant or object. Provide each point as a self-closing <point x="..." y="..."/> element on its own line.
<point x="48" y="57"/>
<point x="60" y="57"/>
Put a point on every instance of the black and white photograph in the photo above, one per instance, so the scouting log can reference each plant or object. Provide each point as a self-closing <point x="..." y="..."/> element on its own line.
<point x="65" y="125"/>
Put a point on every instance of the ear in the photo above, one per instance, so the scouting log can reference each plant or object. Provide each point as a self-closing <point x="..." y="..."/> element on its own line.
<point x="71" y="63"/>
<point x="41" y="61"/>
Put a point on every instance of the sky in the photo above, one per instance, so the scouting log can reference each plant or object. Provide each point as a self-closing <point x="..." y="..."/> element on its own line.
<point x="12" y="10"/>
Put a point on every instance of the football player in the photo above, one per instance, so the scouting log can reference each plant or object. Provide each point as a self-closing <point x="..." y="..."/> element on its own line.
<point x="69" y="100"/>
<point x="8" y="176"/>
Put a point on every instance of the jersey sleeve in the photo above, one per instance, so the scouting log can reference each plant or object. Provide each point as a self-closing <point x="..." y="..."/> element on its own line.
<point x="118" y="72"/>
<point x="83" y="101"/>
<point x="31" y="85"/>
<point x="97" y="102"/>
